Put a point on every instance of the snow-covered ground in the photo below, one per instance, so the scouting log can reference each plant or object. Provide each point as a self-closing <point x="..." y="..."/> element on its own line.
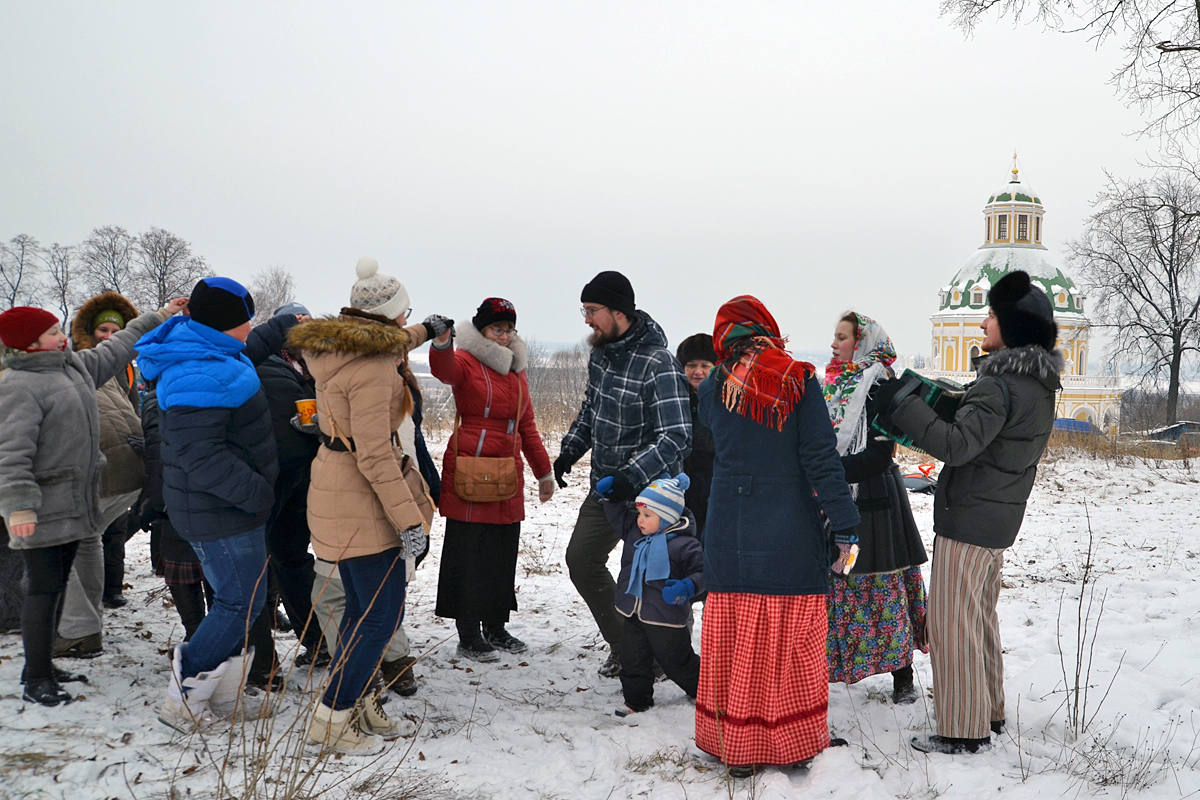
<point x="540" y="725"/>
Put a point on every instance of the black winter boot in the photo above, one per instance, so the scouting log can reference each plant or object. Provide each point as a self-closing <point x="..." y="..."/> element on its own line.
<point x="189" y="602"/>
<point x="903" y="691"/>
<point x="471" y="643"/>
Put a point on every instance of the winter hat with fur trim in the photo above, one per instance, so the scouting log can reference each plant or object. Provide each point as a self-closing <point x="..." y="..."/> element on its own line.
<point x="610" y="289"/>
<point x="1024" y="312"/>
<point x="665" y="498"/>
<point x="21" y="326"/>
<point x="698" y="347"/>
<point x="377" y="293"/>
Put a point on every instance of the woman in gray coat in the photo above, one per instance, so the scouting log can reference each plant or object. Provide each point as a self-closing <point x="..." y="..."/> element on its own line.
<point x="50" y="464"/>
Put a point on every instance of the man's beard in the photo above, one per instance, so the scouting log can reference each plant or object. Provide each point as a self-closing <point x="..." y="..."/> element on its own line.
<point x="600" y="338"/>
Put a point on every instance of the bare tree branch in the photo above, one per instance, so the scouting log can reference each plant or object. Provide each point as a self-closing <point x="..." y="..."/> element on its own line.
<point x="1140" y="253"/>
<point x="62" y="276"/>
<point x="19" y="284"/>
<point x="271" y="288"/>
<point x="164" y="268"/>
<point x="107" y="260"/>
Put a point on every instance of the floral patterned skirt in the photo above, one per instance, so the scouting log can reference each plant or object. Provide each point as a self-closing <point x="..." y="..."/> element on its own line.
<point x="876" y="621"/>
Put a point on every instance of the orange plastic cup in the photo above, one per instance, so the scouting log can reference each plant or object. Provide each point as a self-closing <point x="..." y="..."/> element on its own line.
<point x="306" y="409"/>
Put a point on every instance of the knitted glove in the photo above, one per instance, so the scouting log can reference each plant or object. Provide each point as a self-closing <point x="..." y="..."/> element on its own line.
<point x="138" y="443"/>
<point x="562" y="465"/>
<point x="677" y="593"/>
<point x="436" y="325"/>
<point x="413" y="541"/>
<point x="312" y="428"/>
<point x="615" y="487"/>
<point x="847" y="555"/>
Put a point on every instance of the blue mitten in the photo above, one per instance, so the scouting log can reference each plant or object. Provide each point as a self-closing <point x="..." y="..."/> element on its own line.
<point x="604" y="485"/>
<point x="677" y="593"/>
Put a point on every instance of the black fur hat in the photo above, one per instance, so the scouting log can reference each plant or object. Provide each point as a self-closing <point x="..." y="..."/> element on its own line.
<point x="1023" y="311"/>
<point x="698" y="347"/>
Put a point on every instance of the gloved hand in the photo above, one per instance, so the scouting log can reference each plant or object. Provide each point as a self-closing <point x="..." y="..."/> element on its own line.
<point x="436" y="325"/>
<point x="677" y="593"/>
<point x="882" y="395"/>
<point x="311" y="429"/>
<point x="847" y="555"/>
<point x="413" y="541"/>
<point x="562" y="465"/>
<point x="138" y="443"/>
<point x="615" y="487"/>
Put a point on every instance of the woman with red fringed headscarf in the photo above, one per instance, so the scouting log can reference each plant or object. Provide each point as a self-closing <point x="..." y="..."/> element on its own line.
<point x="763" y="693"/>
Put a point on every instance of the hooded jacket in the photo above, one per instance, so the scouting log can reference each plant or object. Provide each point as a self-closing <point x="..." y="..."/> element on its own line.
<point x="218" y="451"/>
<point x="992" y="447"/>
<point x="687" y="561"/>
<point x="636" y="417"/>
<point x="358" y="501"/>
<point x="487" y="379"/>
<point x="50" y="459"/>
<point x="125" y="471"/>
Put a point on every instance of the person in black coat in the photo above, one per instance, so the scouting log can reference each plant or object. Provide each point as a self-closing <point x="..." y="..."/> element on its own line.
<point x="697" y="356"/>
<point x="877" y="607"/>
<point x="285" y="381"/>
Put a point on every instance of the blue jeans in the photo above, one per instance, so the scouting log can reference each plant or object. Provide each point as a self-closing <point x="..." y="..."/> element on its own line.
<point x="236" y="568"/>
<point x="374" y="610"/>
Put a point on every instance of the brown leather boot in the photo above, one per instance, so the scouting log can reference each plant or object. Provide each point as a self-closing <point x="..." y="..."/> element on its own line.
<point x="400" y="675"/>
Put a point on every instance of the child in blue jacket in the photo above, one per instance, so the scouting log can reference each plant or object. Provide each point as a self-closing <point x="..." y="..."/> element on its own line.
<point x="662" y="573"/>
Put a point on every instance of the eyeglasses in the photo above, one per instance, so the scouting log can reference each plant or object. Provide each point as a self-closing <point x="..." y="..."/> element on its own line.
<point x="505" y="332"/>
<point x="591" y="312"/>
<point x="408" y="314"/>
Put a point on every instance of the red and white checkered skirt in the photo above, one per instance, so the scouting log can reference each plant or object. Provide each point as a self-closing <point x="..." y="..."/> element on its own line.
<point x="764" y="679"/>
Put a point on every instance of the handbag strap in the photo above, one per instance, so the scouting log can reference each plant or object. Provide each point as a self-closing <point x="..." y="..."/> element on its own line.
<point x="516" y="422"/>
<point x="333" y="426"/>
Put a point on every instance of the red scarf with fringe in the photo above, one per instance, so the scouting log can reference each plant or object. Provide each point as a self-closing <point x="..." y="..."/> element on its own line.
<point x="756" y="376"/>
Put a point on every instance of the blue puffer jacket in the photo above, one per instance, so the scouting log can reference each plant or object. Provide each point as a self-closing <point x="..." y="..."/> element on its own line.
<point x="218" y="449"/>
<point x="765" y="534"/>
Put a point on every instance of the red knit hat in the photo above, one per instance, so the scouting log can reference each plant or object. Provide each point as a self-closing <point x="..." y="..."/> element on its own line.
<point x="21" y="326"/>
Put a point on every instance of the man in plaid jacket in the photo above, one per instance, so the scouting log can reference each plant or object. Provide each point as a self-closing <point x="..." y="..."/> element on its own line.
<point x="636" y="420"/>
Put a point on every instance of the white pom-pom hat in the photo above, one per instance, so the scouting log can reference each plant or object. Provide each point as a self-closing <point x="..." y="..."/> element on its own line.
<point x="377" y="293"/>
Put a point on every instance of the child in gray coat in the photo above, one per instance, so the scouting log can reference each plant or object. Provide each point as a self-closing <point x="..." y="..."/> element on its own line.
<point x="50" y="463"/>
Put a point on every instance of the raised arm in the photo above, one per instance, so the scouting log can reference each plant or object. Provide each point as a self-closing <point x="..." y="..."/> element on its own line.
<point x="978" y="421"/>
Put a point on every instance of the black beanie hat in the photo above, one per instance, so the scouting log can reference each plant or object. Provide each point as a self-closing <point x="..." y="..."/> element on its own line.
<point x="1023" y="311"/>
<point x="611" y="289"/>
<point x="493" y="310"/>
<point x="221" y="303"/>
<point x="698" y="347"/>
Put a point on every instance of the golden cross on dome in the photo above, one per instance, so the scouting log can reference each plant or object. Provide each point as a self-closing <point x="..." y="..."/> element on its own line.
<point x="1014" y="162"/>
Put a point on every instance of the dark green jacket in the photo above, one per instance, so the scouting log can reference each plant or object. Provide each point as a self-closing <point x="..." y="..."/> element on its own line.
<point x="992" y="447"/>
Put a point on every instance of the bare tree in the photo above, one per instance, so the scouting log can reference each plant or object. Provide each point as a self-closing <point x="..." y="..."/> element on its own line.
<point x="1160" y="67"/>
<point x="62" y="277"/>
<point x="19" y="271"/>
<point x="1140" y="253"/>
<point x="164" y="268"/>
<point x="271" y="288"/>
<point x="106" y="256"/>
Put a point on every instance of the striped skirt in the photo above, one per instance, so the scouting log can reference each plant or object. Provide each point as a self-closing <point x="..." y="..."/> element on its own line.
<point x="764" y="688"/>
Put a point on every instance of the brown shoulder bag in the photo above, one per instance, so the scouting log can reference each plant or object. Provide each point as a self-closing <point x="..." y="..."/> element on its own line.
<point x="479" y="479"/>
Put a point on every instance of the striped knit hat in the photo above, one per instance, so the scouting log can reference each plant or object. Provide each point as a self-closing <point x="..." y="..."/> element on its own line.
<point x="665" y="497"/>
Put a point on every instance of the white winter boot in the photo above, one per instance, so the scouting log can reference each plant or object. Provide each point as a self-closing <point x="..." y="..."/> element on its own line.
<point x="373" y="719"/>
<point x="186" y="707"/>
<point x="229" y="700"/>
<point x="341" y="732"/>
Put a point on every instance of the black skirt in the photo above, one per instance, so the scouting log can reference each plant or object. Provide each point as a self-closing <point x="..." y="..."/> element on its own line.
<point x="478" y="571"/>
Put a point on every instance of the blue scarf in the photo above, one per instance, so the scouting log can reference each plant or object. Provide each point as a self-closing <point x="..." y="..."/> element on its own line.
<point x="651" y="562"/>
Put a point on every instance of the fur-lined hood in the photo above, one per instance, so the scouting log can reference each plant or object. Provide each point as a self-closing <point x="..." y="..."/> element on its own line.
<point x="1032" y="360"/>
<point x="81" y="326"/>
<point x="514" y="358"/>
<point x="354" y="332"/>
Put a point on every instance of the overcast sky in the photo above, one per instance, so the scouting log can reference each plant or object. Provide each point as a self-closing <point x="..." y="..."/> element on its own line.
<point x="818" y="155"/>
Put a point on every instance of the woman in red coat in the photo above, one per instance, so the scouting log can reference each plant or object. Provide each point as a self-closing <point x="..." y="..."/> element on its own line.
<point x="479" y="557"/>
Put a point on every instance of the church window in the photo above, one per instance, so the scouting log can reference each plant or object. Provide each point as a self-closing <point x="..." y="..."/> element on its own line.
<point x="977" y="296"/>
<point x="974" y="351"/>
<point x="1062" y="298"/>
<point x="1002" y="227"/>
<point x="957" y="297"/>
<point x="1079" y="303"/>
<point x="1037" y="229"/>
<point x="1022" y="227"/>
<point x="987" y="229"/>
